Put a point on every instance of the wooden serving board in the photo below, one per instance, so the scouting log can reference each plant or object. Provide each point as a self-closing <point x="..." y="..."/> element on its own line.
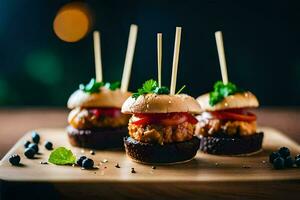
<point x="206" y="175"/>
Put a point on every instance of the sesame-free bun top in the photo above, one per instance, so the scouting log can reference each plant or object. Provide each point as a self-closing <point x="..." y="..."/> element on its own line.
<point x="238" y="100"/>
<point x="104" y="98"/>
<point x="161" y="103"/>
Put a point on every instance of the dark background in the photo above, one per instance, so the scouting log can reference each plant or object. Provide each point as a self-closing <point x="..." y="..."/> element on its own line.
<point x="261" y="43"/>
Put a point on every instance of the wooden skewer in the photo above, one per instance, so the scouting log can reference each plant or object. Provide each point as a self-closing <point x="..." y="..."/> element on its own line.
<point x="129" y="57"/>
<point x="221" y="53"/>
<point x="159" y="57"/>
<point x="175" y="60"/>
<point x="97" y="54"/>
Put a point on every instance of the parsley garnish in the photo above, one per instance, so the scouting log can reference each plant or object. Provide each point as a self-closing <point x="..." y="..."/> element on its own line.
<point x="113" y="86"/>
<point x="151" y="87"/>
<point x="221" y="91"/>
<point x="93" y="86"/>
<point x="162" y="90"/>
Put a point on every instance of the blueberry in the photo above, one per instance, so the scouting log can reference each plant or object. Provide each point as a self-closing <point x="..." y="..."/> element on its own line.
<point x="278" y="163"/>
<point x="34" y="146"/>
<point x="288" y="162"/>
<point x="14" y="159"/>
<point x="29" y="152"/>
<point x="80" y="159"/>
<point x="297" y="161"/>
<point x="35" y="137"/>
<point x="87" y="163"/>
<point x="273" y="156"/>
<point x="284" y="152"/>
<point x="297" y="156"/>
<point x="48" y="145"/>
<point x="26" y="144"/>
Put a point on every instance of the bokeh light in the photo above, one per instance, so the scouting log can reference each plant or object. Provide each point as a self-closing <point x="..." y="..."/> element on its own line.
<point x="72" y="22"/>
<point x="44" y="66"/>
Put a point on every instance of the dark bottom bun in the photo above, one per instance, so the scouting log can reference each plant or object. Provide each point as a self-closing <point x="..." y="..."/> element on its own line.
<point x="219" y="145"/>
<point x="148" y="153"/>
<point x="97" y="138"/>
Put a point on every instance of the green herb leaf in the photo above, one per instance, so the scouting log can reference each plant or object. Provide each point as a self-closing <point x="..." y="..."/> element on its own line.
<point x="151" y="87"/>
<point x="221" y="91"/>
<point x="180" y="90"/>
<point x="214" y="98"/>
<point x="113" y="85"/>
<point x="62" y="156"/>
<point x="161" y="90"/>
<point x="92" y="86"/>
<point x="135" y="95"/>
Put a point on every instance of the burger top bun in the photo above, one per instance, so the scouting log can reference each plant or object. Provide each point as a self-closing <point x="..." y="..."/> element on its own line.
<point x="104" y="98"/>
<point x="162" y="103"/>
<point x="238" y="100"/>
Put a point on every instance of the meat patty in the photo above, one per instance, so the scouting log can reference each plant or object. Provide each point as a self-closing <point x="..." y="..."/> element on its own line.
<point x="207" y="127"/>
<point x="82" y="118"/>
<point x="156" y="133"/>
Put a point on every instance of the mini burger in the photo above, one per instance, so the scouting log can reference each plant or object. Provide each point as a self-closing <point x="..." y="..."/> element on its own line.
<point x="161" y="128"/>
<point x="96" y="120"/>
<point x="226" y="127"/>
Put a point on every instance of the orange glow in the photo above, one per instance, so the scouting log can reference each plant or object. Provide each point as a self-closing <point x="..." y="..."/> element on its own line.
<point x="72" y="22"/>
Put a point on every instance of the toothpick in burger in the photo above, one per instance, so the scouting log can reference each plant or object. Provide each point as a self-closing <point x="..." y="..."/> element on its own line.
<point x="96" y="120"/>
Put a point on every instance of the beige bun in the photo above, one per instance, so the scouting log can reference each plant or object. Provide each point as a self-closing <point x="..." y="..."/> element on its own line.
<point x="105" y="98"/>
<point x="154" y="103"/>
<point x="238" y="100"/>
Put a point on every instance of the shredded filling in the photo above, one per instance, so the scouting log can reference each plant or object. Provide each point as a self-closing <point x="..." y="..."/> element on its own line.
<point x="209" y="127"/>
<point x="156" y="133"/>
<point x="83" y="118"/>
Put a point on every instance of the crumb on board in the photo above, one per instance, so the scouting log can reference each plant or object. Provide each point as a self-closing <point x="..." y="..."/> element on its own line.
<point x="133" y="170"/>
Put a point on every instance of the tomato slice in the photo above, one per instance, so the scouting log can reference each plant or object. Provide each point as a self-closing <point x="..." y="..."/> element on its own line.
<point x="141" y="121"/>
<point x="236" y="114"/>
<point x="110" y="112"/>
<point x="96" y="112"/>
<point x="173" y="119"/>
<point x="192" y="119"/>
<point x="168" y="119"/>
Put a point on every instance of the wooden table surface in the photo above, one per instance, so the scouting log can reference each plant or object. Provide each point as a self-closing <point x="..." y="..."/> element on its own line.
<point x="190" y="178"/>
<point x="15" y="122"/>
